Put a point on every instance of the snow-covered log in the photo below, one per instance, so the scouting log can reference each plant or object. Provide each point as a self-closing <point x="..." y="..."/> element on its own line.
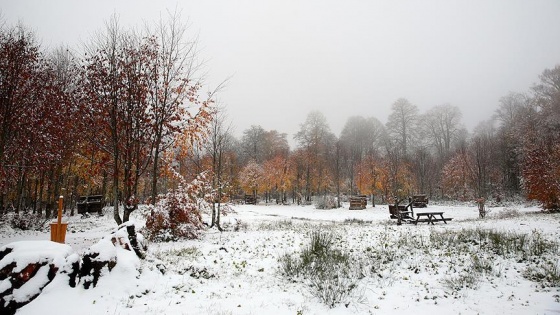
<point x="26" y="267"/>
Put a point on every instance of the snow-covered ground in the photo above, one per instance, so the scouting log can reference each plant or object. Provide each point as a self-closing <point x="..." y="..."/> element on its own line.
<point x="238" y="272"/>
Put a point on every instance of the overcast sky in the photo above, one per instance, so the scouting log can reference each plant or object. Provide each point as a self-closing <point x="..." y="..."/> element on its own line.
<point x="287" y="58"/>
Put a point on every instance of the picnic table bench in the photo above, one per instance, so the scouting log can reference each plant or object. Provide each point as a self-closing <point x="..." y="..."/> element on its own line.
<point x="431" y="217"/>
<point x="395" y="211"/>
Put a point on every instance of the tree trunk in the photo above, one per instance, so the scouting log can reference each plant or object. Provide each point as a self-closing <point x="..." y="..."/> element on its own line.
<point x="49" y="194"/>
<point x="116" y="214"/>
<point x="19" y="189"/>
<point x="155" y="173"/>
<point x="219" y="178"/>
<point x="36" y="191"/>
<point x="128" y="209"/>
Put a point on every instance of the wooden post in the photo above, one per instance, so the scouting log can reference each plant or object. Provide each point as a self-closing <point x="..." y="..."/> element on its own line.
<point x="60" y="204"/>
<point x="58" y="229"/>
<point x="399" y="214"/>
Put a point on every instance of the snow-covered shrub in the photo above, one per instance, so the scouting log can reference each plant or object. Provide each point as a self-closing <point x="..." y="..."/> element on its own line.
<point x="27" y="221"/>
<point x="331" y="274"/>
<point x="463" y="280"/>
<point x="545" y="271"/>
<point x="176" y="214"/>
<point x="279" y="225"/>
<point x="240" y="225"/>
<point x="508" y="213"/>
<point x="325" y="202"/>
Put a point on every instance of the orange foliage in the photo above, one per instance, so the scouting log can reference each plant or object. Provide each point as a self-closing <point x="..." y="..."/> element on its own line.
<point x="252" y="179"/>
<point x="278" y="174"/>
<point x="369" y="176"/>
<point x="541" y="174"/>
<point x="456" y="177"/>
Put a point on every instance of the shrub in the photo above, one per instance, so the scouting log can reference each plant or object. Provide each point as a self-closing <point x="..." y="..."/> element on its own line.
<point x="546" y="272"/>
<point x="356" y="221"/>
<point x="276" y="225"/>
<point x="27" y="221"/>
<point x="235" y="225"/>
<point x="177" y="214"/>
<point x="330" y="273"/>
<point x="508" y="213"/>
<point x="325" y="202"/>
<point x="464" y="280"/>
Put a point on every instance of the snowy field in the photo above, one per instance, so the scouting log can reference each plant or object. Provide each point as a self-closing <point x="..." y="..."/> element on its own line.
<point x="403" y="269"/>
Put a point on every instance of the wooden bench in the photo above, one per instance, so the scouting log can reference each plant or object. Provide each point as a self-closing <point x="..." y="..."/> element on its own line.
<point x="419" y="201"/>
<point x="88" y="204"/>
<point x="396" y="211"/>
<point x="431" y="217"/>
<point x="250" y="200"/>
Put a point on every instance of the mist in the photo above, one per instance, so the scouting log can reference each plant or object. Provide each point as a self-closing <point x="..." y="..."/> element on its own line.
<point x="283" y="59"/>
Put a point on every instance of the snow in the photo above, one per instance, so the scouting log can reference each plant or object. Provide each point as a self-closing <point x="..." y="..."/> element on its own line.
<point x="23" y="253"/>
<point x="27" y="253"/>
<point x="237" y="271"/>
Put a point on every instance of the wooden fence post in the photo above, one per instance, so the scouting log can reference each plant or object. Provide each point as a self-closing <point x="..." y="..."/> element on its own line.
<point x="58" y="229"/>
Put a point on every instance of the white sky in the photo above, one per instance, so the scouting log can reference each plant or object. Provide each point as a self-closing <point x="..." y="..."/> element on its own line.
<point x="343" y="58"/>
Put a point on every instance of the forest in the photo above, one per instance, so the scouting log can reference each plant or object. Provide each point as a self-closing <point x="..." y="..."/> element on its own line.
<point x="127" y="117"/>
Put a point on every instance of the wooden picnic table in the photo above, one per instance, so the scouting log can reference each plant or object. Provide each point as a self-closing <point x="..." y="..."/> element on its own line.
<point x="431" y="217"/>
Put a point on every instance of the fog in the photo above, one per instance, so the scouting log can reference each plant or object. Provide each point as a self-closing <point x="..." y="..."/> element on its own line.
<point x="344" y="58"/>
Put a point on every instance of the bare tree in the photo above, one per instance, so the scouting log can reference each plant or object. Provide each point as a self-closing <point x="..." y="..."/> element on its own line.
<point x="275" y="144"/>
<point x="510" y="118"/>
<point x="401" y="125"/>
<point x="442" y="125"/>
<point x="313" y="137"/>
<point x="219" y="142"/>
<point x="253" y="144"/>
<point x="483" y="168"/>
<point x="359" y="137"/>
<point x="547" y="98"/>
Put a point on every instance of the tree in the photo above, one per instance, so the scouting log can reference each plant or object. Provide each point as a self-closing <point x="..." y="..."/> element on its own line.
<point x="219" y="141"/>
<point x="483" y="169"/>
<point x="298" y="160"/>
<point x="510" y="132"/>
<point x="316" y="140"/>
<point x="541" y="169"/>
<point x="275" y="144"/>
<point x="456" y="176"/>
<point x="253" y="144"/>
<point x="442" y="125"/>
<point x="401" y="125"/>
<point x="425" y="170"/>
<point x="19" y="62"/>
<point x="251" y="178"/>
<point x="541" y="174"/>
<point x="369" y="173"/>
<point x="144" y="102"/>
<point x="174" y="104"/>
<point x="278" y="176"/>
<point x="360" y="136"/>
<point x="400" y="181"/>
<point x="37" y="111"/>
<point x="547" y="98"/>
<point x="116" y="76"/>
